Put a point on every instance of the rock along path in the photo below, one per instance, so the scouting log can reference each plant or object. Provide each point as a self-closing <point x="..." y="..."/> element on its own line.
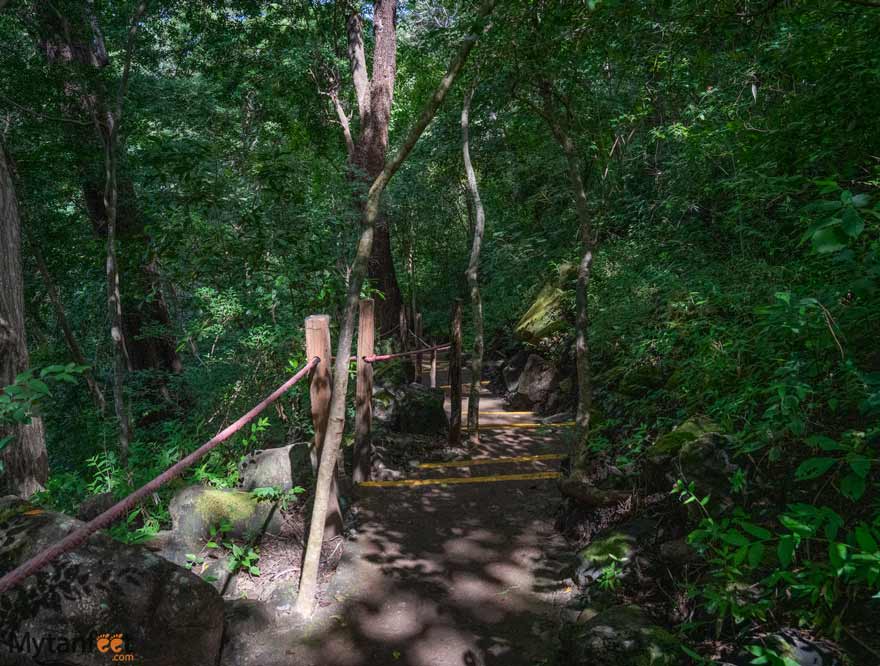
<point x="450" y="574"/>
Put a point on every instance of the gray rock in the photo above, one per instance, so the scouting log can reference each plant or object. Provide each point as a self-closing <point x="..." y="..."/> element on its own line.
<point x="94" y="506"/>
<point x="196" y="509"/>
<point x="678" y="552"/>
<point x="695" y="451"/>
<point x="621" y="636"/>
<point x="249" y="638"/>
<point x="537" y="383"/>
<point x="165" y="615"/>
<point x="617" y="544"/>
<point x="281" y="468"/>
<point x="512" y="370"/>
<point x="413" y="408"/>
<point x="590" y="496"/>
<point x="421" y="410"/>
<point x="799" y="648"/>
<point x="213" y="569"/>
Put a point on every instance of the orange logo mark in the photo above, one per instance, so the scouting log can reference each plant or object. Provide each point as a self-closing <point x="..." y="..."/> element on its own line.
<point x="110" y="643"/>
<point x="114" y="645"/>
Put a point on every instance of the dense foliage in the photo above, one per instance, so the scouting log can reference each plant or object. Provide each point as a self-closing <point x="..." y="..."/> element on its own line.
<point x="731" y="155"/>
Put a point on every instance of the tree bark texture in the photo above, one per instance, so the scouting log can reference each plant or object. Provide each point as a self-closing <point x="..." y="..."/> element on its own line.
<point x="472" y="273"/>
<point x="75" y="40"/>
<point x="559" y="128"/>
<point x="309" y="576"/>
<point x="24" y="458"/>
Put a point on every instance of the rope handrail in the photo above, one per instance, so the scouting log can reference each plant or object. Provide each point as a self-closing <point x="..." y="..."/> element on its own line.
<point x="111" y="515"/>
<point x="385" y="357"/>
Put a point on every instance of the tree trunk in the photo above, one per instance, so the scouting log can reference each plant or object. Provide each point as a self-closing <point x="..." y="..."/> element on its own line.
<point x="582" y="323"/>
<point x="375" y="97"/>
<point x="311" y="560"/>
<point x="75" y="40"/>
<point x="69" y="337"/>
<point x="24" y="458"/>
<point x="472" y="274"/>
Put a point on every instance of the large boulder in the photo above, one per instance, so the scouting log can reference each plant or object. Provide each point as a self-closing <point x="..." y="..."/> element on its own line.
<point x="100" y="601"/>
<point x="512" y="370"/>
<point x="537" y="383"/>
<point x="195" y="510"/>
<point x="412" y="408"/>
<point x="545" y="316"/>
<point x="694" y="452"/>
<point x="621" y="636"/>
<point x="282" y="468"/>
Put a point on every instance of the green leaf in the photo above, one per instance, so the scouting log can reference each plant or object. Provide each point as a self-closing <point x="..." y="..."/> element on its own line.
<point x="852" y="486"/>
<point x="755" y="530"/>
<point x="860" y="464"/>
<point x="785" y="550"/>
<point x="861" y="200"/>
<point x="824" y="443"/>
<point x="255" y="570"/>
<point x="853" y="224"/>
<point x="837" y="554"/>
<point x="828" y="240"/>
<point x="865" y="539"/>
<point x="756" y="554"/>
<point x="812" y="468"/>
<point x="734" y="538"/>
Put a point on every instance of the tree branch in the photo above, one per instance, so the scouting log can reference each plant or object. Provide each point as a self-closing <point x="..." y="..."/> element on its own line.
<point x="357" y="61"/>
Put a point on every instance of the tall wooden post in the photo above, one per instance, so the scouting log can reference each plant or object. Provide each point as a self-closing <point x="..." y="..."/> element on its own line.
<point x="455" y="376"/>
<point x="318" y="344"/>
<point x="417" y="325"/>
<point x="433" y="368"/>
<point x="364" y="393"/>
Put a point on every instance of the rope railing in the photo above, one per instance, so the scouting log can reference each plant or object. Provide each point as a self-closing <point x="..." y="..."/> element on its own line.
<point x="387" y="357"/>
<point x="111" y="515"/>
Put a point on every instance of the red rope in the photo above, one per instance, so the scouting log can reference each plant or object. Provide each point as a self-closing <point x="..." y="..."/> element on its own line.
<point x="79" y="535"/>
<point x="386" y="357"/>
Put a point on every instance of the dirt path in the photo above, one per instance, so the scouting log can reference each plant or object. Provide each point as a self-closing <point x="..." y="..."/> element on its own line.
<point x="454" y="574"/>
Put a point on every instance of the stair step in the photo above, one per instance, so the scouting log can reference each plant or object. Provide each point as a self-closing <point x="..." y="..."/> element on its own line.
<point x="493" y="461"/>
<point x="403" y="483"/>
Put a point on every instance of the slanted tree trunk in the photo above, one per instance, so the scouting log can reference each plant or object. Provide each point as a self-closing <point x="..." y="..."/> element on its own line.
<point x="559" y="128"/>
<point x="67" y="331"/>
<point x="472" y="273"/>
<point x="309" y="577"/>
<point x="24" y="457"/>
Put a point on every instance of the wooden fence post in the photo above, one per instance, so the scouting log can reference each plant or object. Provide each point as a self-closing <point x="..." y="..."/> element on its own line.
<point x="361" y="458"/>
<point x="433" y="368"/>
<point x="417" y="326"/>
<point x="455" y="376"/>
<point x="318" y="344"/>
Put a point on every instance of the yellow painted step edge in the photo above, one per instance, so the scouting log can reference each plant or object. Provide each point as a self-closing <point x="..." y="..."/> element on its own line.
<point x="492" y="461"/>
<point x="500" y="426"/>
<point x="458" y="479"/>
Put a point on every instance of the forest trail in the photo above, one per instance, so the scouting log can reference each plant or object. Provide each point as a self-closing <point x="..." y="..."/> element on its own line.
<point x="457" y="574"/>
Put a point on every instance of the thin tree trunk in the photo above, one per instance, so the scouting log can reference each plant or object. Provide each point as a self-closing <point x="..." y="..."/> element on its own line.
<point x="472" y="274"/>
<point x="25" y="464"/>
<point x="69" y="337"/>
<point x="121" y="363"/>
<point x="582" y="323"/>
<point x="309" y="577"/>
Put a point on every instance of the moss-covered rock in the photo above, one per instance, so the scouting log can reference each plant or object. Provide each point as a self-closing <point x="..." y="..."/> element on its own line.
<point x="618" y="545"/>
<point x="694" y="452"/>
<point x="693" y="428"/>
<point x="620" y="636"/>
<point x="545" y="315"/>
<point x="166" y="615"/>
<point x="196" y="509"/>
